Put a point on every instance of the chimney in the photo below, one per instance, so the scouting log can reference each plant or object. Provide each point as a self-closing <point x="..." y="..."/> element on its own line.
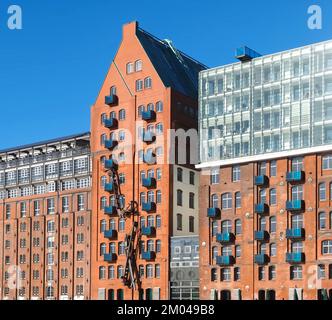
<point x="129" y="29"/>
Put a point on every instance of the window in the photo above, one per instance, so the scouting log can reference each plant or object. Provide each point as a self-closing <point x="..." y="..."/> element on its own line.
<point x="236" y="173"/>
<point x="179" y="221"/>
<point x="272" y="273"/>
<point x="296" y="273"/>
<point x="297" y="164"/>
<point x="215" y="176"/>
<point x="273" y="250"/>
<point x="192" y="178"/>
<point x="159" y="128"/>
<point x="214" y="228"/>
<point x="159" y="106"/>
<point x="273" y="197"/>
<point x="262" y="223"/>
<point x="50" y="206"/>
<point x="80" y="202"/>
<point x="297" y="247"/>
<point x="261" y="273"/>
<point x="139" y="85"/>
<point x="191" y="200"/>
<point x="148" y="83"/>
<point x="138" y="65"/>
<point x="297" y="193"/>
<point x="113" y="90"/>
<point x="238" y="200"/>
<point x="179" y="197"/>
<point x="65" y="204"/>
<point x="327" y="247"/>
<point x="237" y="274"/>
<point x="238" y="227"/>
<point x="226" y="201"/>
<point x="23" y="209"/>
<point x="327" y="162"/>
<point x="103" y="139"/>
<point x="262" y="168"/>
<point x="322" y="221"/>
<point x="321" y="271"/>
<point x="226" y="274"/>
<point x="226" y="226"/>
<point x="273" y="168"/>
<point x="238" y="251"/>
<point x="102" y="273"/>
<point x="130" y="67"/>
<point x="180" y="174"/>
<point x="191" y="224"/>
<point x="273" y="224"/>
<point x="262" y="196"/>
<point x="322" y="192"/>
<point x="214" y="275"/>
<point x="122" y="114"/>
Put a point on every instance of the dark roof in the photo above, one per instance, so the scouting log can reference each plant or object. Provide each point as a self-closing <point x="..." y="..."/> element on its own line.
<point x="175" y="68"/>
<point x="28" y="146"/>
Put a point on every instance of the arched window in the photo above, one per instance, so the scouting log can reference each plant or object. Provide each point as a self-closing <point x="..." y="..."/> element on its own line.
<point x="322" y="221"/>
<point x="142" y="197"/>
<point x="120" y="272"/>
<point x="103" y="181"/>
<point x="103" y="203"/>
<point x="158" y="221"/>
<point x="157" y="271"/>
<point x="122" y="248"/>
<point x="149" y="271"/>
<point x="103" y="118"/>
<point x="150" y="221"/>
<point x="262" y="196"/>
<point x="140" y="110"/>
<point x="159" y="106"/>
<point x="103" y="248"/>
<point x="103" y="139"/>
<point x="112" y="247"/>
<point x="238" y="227"/>
<point x="111" y="272"/>
<point x="158" y="246"/>
<point x="102" y="273"/>
<point x="150" y="245"/>
<point x="238" y="200"/>
<point x="113" y="90"/>
<point x="179" y="221"/>
<point x="226" y="199"/>
<point x="130" y="67"/>
<point x="273" y="197"/>
<point x="273" y="249"/>
<point x="262" y="223"/>
<point x="215" y="252"/>
<point x="112" y="224"/>
<point x="215" y="201"/>
<point x="226" y="226"/>
<point x="122" y="224"/>
<point x="147" y="83"/>
<point x="159" y="196"/>
<point x="192" y="200"/>
<point x="159" y="128"/>
<point x="151" y="196"/>
<point x="215" y="228"/>
<point x="150" y="107"/>
<point x="103" y="225"/>
<point x="122" y="114"/>
<point x="113" y="115"/>
<point x="180" y="174"/>
<point x="138" y="65"/>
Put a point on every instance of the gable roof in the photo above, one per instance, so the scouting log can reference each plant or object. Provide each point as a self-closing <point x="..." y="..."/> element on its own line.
<point x="175" y="68"/>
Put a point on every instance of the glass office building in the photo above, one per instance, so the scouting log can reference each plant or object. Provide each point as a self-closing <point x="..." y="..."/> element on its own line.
<point x="268" y="104"/>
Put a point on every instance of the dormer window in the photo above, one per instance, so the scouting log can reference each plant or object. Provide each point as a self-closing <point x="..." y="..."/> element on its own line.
<point x="138" y="65"/>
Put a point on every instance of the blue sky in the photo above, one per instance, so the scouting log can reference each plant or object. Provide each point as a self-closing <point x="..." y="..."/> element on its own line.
<point x="52" y="70"/>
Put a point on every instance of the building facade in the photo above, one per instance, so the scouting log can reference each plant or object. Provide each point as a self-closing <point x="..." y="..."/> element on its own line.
<point x="184" y="279"/>
<point x="151" y="87"/>
<point x="45" y="220"/>
<point x="265" y="130"/>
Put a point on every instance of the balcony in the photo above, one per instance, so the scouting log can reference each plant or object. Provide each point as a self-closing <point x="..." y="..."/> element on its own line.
<point x="111" y="164"/>
<point x="214" y="213"/>
<point x="149" y="207"/>
<point x="148" y="255"/>
<point x="111" y="234"/>
<point x="295" y="205"/>
<point x="150" y="158"/>
<point x="225" y="237"/>
<point x="111" y="100"/>
<point x="261" y="181"/>
<point x="110" y="257"/>
<point x="111" y="211"/>
<point x="295" y="176"/>
<point x="262" y="236"/>
<point x="109" y="187"/>
<point x="295" y="257"/>
<point x="262" y="208"/>
<point x="149" y="182"/>
<point x="225" y="260"/>
<point x="149" y="115"/>
<point x="110" y="144"/>
<point x="295" y="234"/>
<point x="148" y="231"/>
<point x="261" y="259"/>
<point x="111" y="123"/>
<point x="149" y="137"/>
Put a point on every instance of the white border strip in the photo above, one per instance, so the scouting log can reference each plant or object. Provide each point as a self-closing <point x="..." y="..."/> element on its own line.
<point x="262" y="157"/>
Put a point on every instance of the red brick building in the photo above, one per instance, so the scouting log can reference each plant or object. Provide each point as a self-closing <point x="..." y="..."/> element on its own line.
<point x="45" y="220"/>
<point x="150" y="87"/>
